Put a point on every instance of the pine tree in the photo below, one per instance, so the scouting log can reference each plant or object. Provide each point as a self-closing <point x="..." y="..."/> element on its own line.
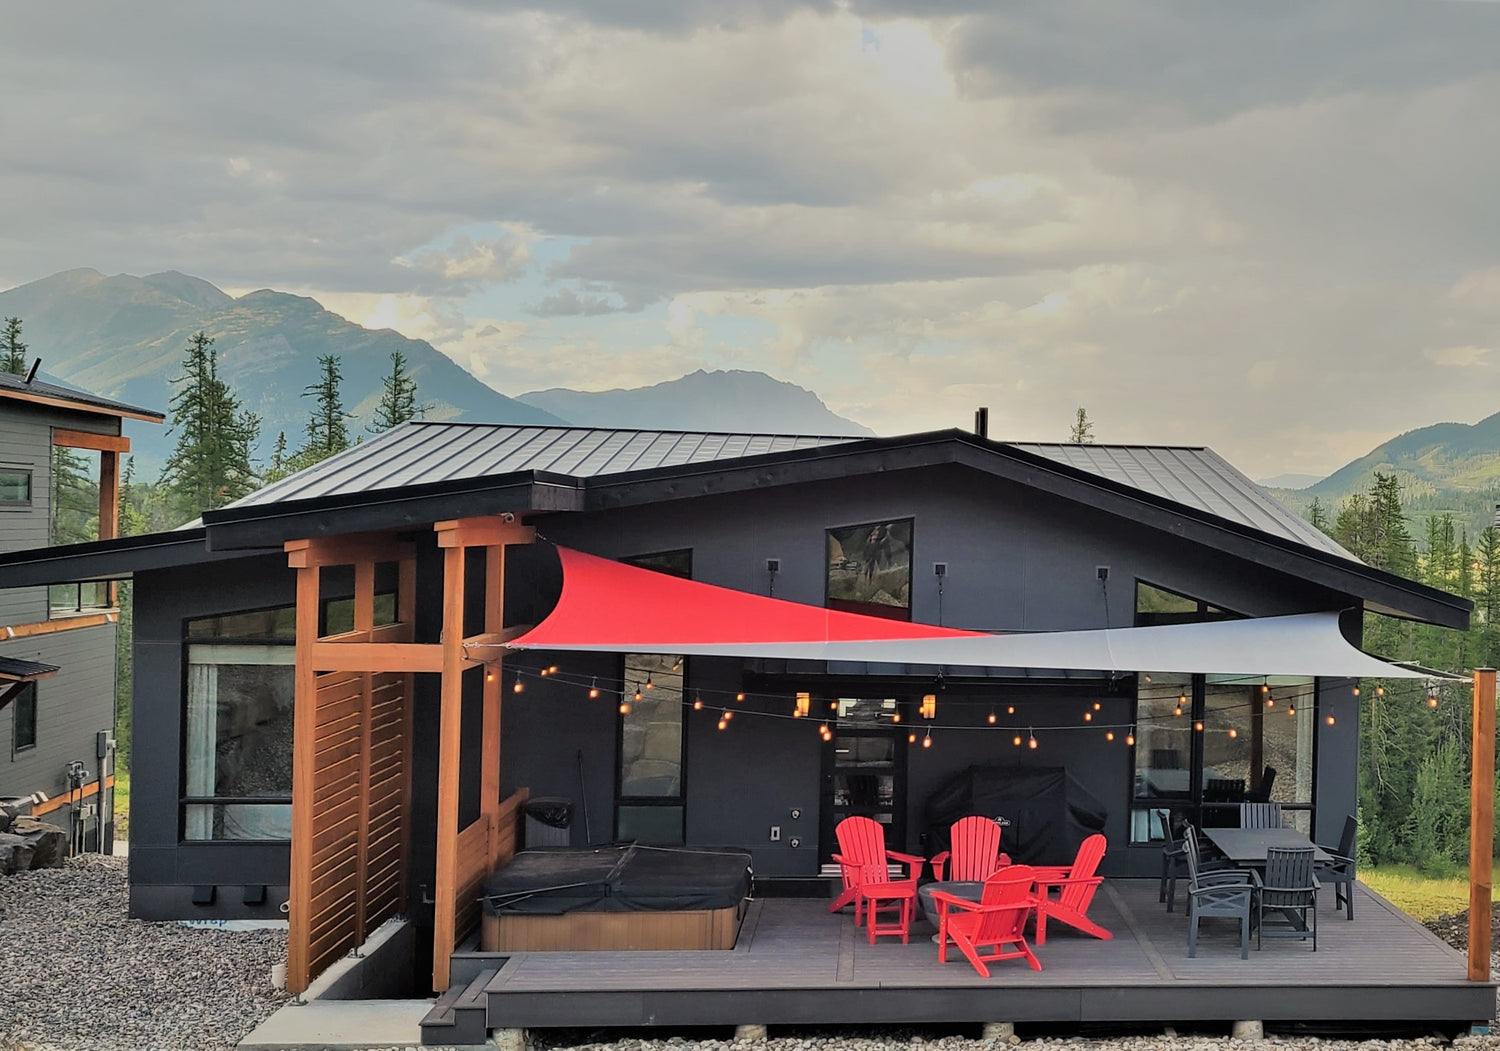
<point x="210" y="465"/>
<point x="12" y="349"/>
<point x="398" y="397"/>
<point x="1317" y="516"/>
<point x="1082" y="431"/>
<point x="327" y="429"/>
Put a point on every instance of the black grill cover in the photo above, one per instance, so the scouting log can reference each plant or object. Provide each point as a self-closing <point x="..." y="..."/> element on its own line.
<point x="1047" y="814"/>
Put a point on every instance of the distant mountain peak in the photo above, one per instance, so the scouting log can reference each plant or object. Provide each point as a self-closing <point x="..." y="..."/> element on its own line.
<point x="702" y="400"/>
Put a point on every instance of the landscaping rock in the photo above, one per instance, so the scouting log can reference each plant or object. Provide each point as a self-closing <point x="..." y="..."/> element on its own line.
<point x="15" y="854"/>
<point x="49" y="844"/>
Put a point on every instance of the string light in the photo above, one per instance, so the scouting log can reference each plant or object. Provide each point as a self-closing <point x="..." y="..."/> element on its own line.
<point x="1265" y="688"/>
<point x="1088" y="717"/>
<point x="624" y="707"/>
<point x="649" y="685"/>
<point x="1130" y="739"/>
<point x="552" y="670"/>
<point x="1109" y="735"/>
<point x="1031" y="742"/>
<point x="1355" y="691"/>
<point x="637" y="695"/>
<point x="723" y="723"/>
<point x="992" y="718"/>
<point x="1233" y="733"/>
<point x="1380" y="691"/>
<point x="1330" y="720"/>
<point x="519" y="685"/>
<point x="542" y="673"/>
<point x="1291" y="708"/>
<point x="1270" y="702"/>
<point x="911" y="738"/>
<point x="1432" y="701"/>
<point x="1098" y="706"/>
<point x="728" y="714"/>
<point x="739" y="697"/>
<point x="594" y="687"/>
<point x="697" y="704"/>
<point x="489" y="674"/>
<point x="927" y="741"/>
<point x="1010" y="709"/>
<point x="1181" y="699"/>
<point x="895" y="717"/>
<point x="1177" y="710"/>
<point x="1198" y="726"/>
<point x="1016" y="740"/>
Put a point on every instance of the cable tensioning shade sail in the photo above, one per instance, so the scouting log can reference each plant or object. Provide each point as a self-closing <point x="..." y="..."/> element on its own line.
<point x="609" y="606"/>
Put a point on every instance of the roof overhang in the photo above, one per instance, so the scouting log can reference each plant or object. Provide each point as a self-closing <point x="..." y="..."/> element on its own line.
<point x="669" y="615"/>
<point x="13" y="669"/>
<point x="101" y="408"/>
<point x="116" y="559"/>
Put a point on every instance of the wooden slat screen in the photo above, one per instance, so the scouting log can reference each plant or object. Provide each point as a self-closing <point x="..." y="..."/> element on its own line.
<point x="361" y="775"/>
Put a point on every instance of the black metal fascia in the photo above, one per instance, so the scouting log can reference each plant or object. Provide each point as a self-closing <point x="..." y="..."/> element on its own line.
<point x="115" y="559"/>
<point x="1385" y="592"/>
<point x="414" y="506"/>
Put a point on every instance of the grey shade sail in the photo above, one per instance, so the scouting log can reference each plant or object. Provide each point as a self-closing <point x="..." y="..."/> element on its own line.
<point x="1305" y="644"/>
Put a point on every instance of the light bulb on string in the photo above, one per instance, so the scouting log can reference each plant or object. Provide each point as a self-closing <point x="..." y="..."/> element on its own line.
<point x="1109" y="735"/>
<point x="1233" y="733"/>
<point x="1265" y="688"/>
<point x="1098" y="706"/>
<point x="823" y="729"/>
<point x="637" y="694"/>
<point x="1380" y="691"/>
<point x="739" y="697"/>
<point x="1177" y="710"/>
<point x="677" y="666"/>
<point x="697" y="704"/>
<point x="1010" y="709"/>
<point x="1432" y="701"/>
<point x="594" y="687"/>
<point x="1270" y="702"/>
<point x="992" y="718"/>
<point x="1181" y="699"/>
<point x="1130" y="739"/>
<point x="1198" y="726"/>
<point x="541" y="673"/>
<point x="911" y="738"/>
<point x="1031" y="741"/>
<point x="728" y="714"/>
<point x="552" y="670"/>
<point x="1291" y="708"/>
<point x="723" y="723"/>
<point x="489" y="674"/>
<point x="649" y="684"/>
<point x="519" y="685"/>
<point x="895" y="717"/>
<point x="927" y="741"/>
<point x="1330" y="720"/>
<point x="1355" y="691"/>
<point x="1016" y="740"/>
<point x="1088" y="717"/>
<point x="624" y="707"/>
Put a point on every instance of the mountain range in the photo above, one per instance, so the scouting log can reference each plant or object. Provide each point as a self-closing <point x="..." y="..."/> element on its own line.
<point x="123" y="337"/>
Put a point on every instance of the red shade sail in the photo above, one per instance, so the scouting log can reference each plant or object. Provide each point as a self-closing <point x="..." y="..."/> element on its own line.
<point x="613" y="607"/>
<point x="608" y="605"/>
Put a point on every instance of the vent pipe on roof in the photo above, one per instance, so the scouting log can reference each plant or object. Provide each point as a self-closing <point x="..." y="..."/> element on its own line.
<point x="32" y="374"/>
<point x="982" y="426"/>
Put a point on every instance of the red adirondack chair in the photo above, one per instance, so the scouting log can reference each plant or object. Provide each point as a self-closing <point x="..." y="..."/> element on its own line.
<point x="863" y="859"/>
<point x="1075" y="885"/>
<point x="996" y="921"/>
<point x="975" y="854"/>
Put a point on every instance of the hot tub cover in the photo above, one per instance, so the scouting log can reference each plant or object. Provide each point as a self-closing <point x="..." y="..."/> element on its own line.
<point x="619" y="878"/>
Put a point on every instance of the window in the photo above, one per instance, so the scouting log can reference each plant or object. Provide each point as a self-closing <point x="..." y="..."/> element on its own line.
<point x="237" y="745"/>
<point x="869" y="569"/>
<point x="672" y="563"/>
<point x="1158" y="605"/>
<point x="651" y="791"/>
<point x="23" y="727"/>
<point x="15" y="487"/>
<point x="68" y="600"/>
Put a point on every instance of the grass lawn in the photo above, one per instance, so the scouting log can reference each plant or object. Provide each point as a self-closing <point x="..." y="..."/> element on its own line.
<point x="122" y="804"/>
<point x="1416" y="894"/>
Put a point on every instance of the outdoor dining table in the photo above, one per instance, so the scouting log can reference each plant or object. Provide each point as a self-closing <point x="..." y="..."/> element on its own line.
<point x="1248" y="846"/>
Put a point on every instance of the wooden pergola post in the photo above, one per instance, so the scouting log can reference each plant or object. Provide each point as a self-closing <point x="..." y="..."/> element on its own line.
<point x="1481" y="824"/>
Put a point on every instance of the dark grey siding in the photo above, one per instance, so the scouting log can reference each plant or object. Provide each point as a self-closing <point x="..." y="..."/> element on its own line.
<point x="163" y="871"/>
<point x="72" y="706"/>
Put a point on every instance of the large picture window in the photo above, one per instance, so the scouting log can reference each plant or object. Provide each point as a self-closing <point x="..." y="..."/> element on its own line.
<point x="651" y="796"/>
<point x="237" y="745"/>
<point x="869" y="569"/>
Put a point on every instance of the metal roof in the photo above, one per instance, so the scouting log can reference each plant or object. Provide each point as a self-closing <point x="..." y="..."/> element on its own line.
<point x="421" y="452"/>
<point x="14" y="669"/>
<point x="1197" y="477"/>
<point x="15" y="386"/>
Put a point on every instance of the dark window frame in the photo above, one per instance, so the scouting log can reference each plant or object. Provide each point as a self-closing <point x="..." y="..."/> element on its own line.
<point x="27" y="699"/>
<point x="874" y="609"/>
<point x="183" y="799"/>
<point x="30" y="474"/>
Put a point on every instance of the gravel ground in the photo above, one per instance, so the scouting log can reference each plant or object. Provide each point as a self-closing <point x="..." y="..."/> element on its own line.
<point x="94" y="980"/>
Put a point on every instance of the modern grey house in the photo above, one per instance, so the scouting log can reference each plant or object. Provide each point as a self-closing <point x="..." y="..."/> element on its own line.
<point x="57" y="644"/>
<point x="389" y="553"/>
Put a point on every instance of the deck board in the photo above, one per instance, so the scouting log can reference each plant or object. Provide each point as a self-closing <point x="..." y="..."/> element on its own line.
<point x="797" y="962"/>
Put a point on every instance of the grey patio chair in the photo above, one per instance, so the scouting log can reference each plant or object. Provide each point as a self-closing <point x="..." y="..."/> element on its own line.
<point x="1339" y="870"/>
<point x="1173" y="860"/>
<point x="1224" y="893"/>
<point x="1289" y="895"/>
<point x="1260" y="815"/>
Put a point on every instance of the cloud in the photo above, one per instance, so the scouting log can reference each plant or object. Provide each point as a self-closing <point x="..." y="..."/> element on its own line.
<point x="1205" y="222"/>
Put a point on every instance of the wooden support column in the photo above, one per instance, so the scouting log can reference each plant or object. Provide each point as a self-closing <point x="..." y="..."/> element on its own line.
<point x="304" y="733"/>
<point x="1481" y="824"/>
<point x="109" y="494"/>
<point x="494" y="622"/>
<point x="450" y="725"/>
<point x="364" y="620"/>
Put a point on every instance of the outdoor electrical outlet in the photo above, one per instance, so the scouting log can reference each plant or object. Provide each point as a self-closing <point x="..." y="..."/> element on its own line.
<point x="1103" y="572"/>
<point x="940" y="569"/>
<point x="775" y="833"/>
<point x="773" y="565"/>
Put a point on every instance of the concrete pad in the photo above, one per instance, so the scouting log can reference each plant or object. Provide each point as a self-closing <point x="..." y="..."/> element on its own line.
<point x="340" y="1025"/>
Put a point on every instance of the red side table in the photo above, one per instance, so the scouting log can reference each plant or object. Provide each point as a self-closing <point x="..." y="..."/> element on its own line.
<point x="885" y="897"/>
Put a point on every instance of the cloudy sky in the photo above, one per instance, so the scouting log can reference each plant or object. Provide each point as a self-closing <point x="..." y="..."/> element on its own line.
<point x="1271" y="227"/>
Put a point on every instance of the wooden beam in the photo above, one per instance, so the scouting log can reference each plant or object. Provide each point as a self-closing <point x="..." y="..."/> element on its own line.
<point x="12" y="692"/>
<point x="58" y="802"/>
<point x="111" y="443"/>
<point x="376" y="656"/>
<point x="364" y="621"/>
<point x="482" y="532"/>
<point x="406" y="591"/>
<point x="51" y="627"/>
<point x="450" y="728"/>
<point x="1481" y="824"/>
<point x="304" y="742"/>
<point x="346" y="550"/>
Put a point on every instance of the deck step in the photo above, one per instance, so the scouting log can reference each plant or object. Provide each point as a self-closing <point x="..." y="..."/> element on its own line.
<point x="460" y="1014"/>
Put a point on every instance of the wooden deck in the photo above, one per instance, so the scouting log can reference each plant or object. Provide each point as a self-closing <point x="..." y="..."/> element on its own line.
<point x="797" y="964"/>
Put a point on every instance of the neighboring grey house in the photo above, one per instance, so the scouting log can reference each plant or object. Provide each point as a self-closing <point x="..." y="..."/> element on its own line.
<point x="57" y="644"/>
